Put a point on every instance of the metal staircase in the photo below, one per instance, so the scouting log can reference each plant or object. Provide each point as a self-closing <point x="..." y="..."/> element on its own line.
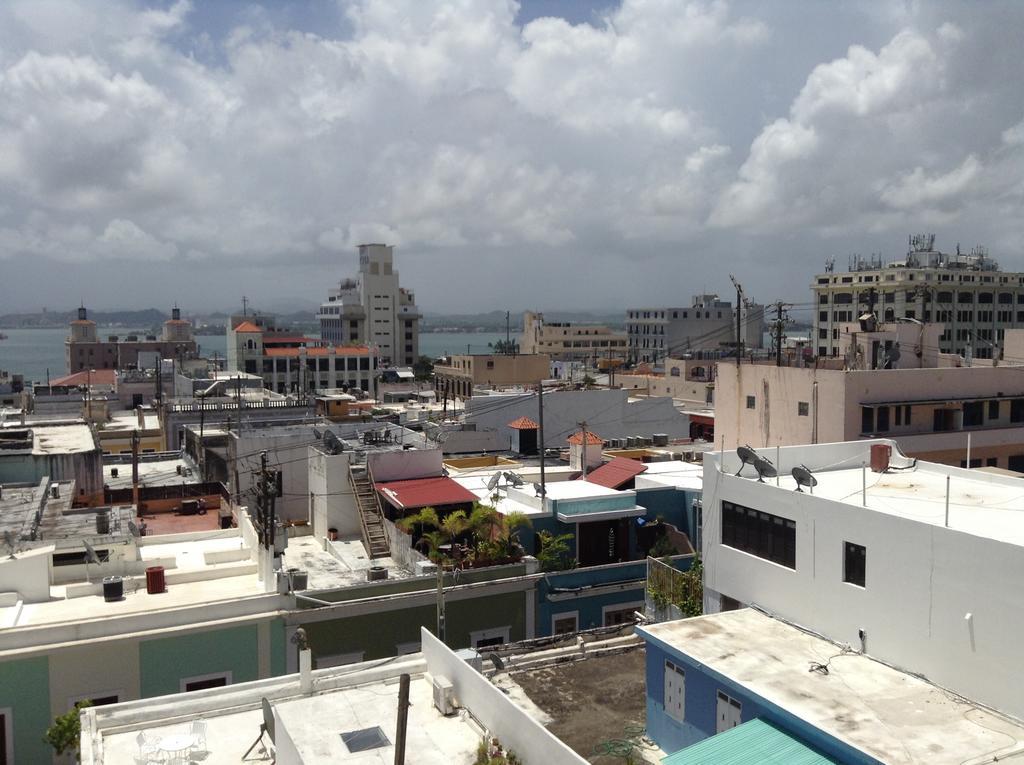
<point x="375" y="535"/>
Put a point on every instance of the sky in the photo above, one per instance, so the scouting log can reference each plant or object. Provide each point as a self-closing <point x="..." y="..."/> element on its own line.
<point x="541" y="154"/>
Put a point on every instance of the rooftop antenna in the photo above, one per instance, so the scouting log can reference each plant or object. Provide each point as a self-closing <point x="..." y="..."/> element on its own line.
<point x="804" y="477"/>
<point x="514" y="478"/>
<point x="90" y="557"/>
<point x="317" y="434"/>
<point x="332" y="443"/>
<point x="133" y="529"/>
<point x="493" y="481"/>
<point x="747" y="456"/>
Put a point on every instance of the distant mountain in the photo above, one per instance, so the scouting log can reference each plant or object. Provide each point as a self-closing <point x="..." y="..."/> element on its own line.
<point x="149" y="317"/>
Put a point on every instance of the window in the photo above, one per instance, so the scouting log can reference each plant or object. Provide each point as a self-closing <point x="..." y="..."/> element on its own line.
<point x="78" y="558"/>
<point x="728" y="713"/>
<point x="803" y="409"/>
<point x="6" y="737"/>
<point x="567" y="623"/>
<point x="1017" y="410"/>
<point x="675" y="691"/>
<point x="767" y="536"/>
<point x="993" y="410"/>
<point x="882" y="425"/>
<point x="100" y="699"/>
<point x="620" y="613"/>
<point x="973" y="413"/>
<point x="338" y="659"/>
<point x="202" y="682"/>
<point x="484" y="638"/>
<point x="751" y="402"/>
<point x="854" y="559"/>
<point x="403" y="649"/>
<point x="867" y="419"/>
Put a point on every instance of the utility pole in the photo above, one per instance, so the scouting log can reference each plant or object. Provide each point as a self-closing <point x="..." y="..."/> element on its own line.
<point x="540" y="438"/>
<point x="135" y="472"/>
<point x="739" y="318"/>
<point x="201" y="451"/>
<point x="267" y="496"/>
<point x="403" y="718"/>
<point x="508" y="334"/>
<point x="440" y="600"/>
<point x="778" y="329"/>
<point x="245" y="306"/>
<point x="583" y="427"/>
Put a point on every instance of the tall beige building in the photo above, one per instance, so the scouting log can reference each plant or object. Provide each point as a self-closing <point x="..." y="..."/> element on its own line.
<point x="967" y="294"/>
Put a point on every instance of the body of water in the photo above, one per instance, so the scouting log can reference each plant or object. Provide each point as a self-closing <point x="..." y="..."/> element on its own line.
<point x="36" y="352"/>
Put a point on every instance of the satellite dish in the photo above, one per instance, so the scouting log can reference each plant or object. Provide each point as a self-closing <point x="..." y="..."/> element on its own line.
<point x="538" y="489"/>
<point x="332" y="443"/>
<point x="764" y="468"/>
<point x="747" y="457"/>
<point x="891" y="357"/>
<point x="317" y="434"/>
<point x="514" y="478"/>
<point x="133" y="529"/>
<point x="803" y="476"/>
<point x="493" y="481"/>
<point x="90" y="553"/>
<point x="496" y="661"/>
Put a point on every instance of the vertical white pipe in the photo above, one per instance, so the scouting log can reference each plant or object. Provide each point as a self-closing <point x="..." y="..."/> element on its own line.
<point x="778" y="463"/>
<point x="947" y="501"/>
<point x="968" y="450"/>
<point x="864" y="484"/>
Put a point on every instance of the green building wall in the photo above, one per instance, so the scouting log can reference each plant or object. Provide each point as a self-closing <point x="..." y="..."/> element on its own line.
<point x="165" y="661"/>
<point x="25" y="689"/>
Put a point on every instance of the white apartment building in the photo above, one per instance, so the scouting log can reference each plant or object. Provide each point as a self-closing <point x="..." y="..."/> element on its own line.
<point x="913" y="563"/>
<point x="966" y="293"/>
<point x="374" y="309"/>
<point x="568" y="341"/>
<point x="708" y="324"/>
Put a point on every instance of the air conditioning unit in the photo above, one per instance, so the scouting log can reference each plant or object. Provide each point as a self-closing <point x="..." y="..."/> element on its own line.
<point x="426" y="567"/>
<point x="444" y="695"/>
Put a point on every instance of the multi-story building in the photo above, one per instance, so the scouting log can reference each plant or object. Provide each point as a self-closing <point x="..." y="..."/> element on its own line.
<point x="708" y="324"/>
<point x="892" y="382"/>
<point x="374" y="309"/>
<point x="292" y="363"/>
<point x="84" y="350"/>
<point x="967" y="294"/>
<point x="461" y="374"/>
<point x="567" y="341"/>
<point x="913" y="563"/>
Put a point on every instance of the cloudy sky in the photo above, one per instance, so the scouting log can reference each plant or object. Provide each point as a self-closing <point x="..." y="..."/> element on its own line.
<point x="537" y="154"/>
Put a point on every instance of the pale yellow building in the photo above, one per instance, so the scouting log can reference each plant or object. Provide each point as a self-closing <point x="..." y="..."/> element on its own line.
<point x="568" y="341"/>
<point x="463" y="373"/>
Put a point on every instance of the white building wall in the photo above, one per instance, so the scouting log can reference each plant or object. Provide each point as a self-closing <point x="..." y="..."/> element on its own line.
<point x="922" y="580"/>
<point x="332" y="503"/>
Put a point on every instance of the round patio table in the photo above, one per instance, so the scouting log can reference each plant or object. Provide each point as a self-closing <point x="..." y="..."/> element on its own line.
<point x="177" y="747"/>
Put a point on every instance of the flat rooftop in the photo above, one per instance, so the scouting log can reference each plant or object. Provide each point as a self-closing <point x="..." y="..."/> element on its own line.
<point x="980" y="503"/>
<point x="166" y="472"/>
<point x="57" y="438"/>
<point x="344" y="563"/>
<point x="893" y="716"/>
<point x="315" y="723"/>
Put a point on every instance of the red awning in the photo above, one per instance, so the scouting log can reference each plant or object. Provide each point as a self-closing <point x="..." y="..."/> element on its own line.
<point x="700" y="419"/>
<point x="424" y="492"/>
<point x="616" y="473"/>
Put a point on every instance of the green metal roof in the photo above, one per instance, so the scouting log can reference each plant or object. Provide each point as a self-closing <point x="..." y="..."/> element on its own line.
<point x="756" y="742"/>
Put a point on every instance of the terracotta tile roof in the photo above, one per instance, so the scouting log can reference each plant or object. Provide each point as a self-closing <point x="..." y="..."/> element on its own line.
<point x="270" y="338"/>
<point x="592" y="438"/>
<point x="343" y="350"/>
<point x="97" y="377"/>
<point x="614" y="474"/>
<point x="247" y="326"/>
<point x="523" y="423"/>
<point x="424" y="492"/>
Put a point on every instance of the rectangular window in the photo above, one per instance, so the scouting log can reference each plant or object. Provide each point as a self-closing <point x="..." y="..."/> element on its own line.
<point x="675" y="691"/>
<point x="803" y="409"/>
<point x="202" y="682"/>
<point x="973" y="413"/>
<point x="867" y="419"/>
<point x="993" y="410"/>
<point x="484" y="638"/>
<point x="620" y="613"/>
<point x="854" y="560"/>
<point x="767" y="536"/>
<point x="565" y="623"/>
<point x="78" y="558"/>
<point x="882" y="425"/>
<point x="751" y="401"/>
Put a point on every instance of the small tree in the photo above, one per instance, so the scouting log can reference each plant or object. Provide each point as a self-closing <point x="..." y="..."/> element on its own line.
<point x="65" y="733"/>
<point x="423" y="368"/>
<point x="554" y="552"/>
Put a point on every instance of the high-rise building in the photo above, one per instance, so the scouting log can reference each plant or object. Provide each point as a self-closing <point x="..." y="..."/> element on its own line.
<point x="709" y="324"/>
<point x="966" y="293"/>
<point x="374" y="309"/>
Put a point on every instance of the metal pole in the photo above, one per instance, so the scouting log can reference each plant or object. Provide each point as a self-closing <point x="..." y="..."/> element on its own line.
<point x="583" y="426"/>
<point x="864" y="484"/>
<point x="403" y="718"/>
<point x="540" y="439"/>
<point x="778" y="462"/>
<point x="947" y="501"/>
<point x="968" y="450"/>
<point x="440" y="602"/>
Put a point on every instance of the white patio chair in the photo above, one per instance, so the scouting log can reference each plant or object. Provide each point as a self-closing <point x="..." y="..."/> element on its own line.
<point x="198" y="731"/>
<point x="149" y="750"/>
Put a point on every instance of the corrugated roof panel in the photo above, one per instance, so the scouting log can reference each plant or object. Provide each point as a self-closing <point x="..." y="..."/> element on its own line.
<point x="756" y="742"/>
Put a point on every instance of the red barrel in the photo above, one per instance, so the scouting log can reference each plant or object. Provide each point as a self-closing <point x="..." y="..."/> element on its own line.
<point x="880" y="455"/>
<point x="155" y="580"/>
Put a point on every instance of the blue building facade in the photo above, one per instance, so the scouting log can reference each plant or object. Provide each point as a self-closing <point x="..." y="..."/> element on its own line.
<point x="686" y="698"/>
